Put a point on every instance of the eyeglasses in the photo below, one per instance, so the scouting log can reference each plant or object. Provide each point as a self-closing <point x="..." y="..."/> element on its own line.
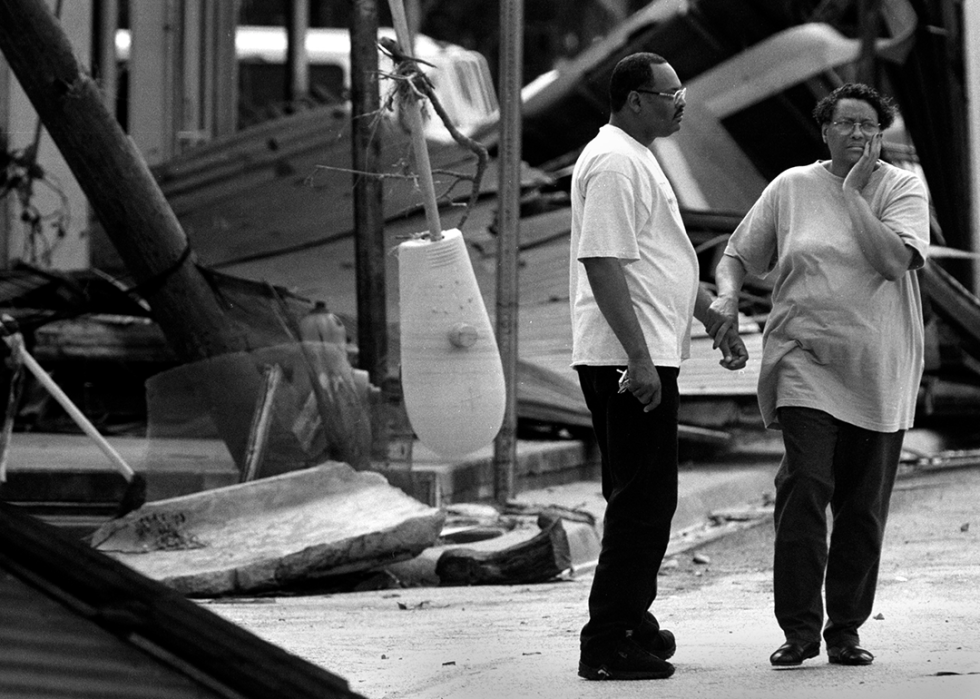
<point x="677" y="95"/>
<point x="868" y="128"/>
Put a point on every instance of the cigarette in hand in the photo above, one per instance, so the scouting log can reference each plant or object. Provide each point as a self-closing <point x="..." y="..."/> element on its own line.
<point x="624" y="380"/>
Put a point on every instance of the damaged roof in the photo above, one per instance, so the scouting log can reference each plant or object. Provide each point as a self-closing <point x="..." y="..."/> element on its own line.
<point x="74" y="622"/>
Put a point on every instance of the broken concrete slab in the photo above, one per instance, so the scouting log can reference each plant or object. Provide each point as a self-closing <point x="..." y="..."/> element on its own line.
<point x="297" y="527"/>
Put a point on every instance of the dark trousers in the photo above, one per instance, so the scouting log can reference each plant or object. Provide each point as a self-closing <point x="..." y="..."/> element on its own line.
<point x="639" y="483"/>
<point x="853" y="470"/>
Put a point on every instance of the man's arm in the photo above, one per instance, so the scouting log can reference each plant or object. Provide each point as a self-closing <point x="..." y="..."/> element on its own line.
<point x="612" y="295"/>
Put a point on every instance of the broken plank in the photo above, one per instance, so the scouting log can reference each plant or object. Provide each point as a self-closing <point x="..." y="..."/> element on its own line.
<point x="261" y="421"/>
<point x="541" y="558"/>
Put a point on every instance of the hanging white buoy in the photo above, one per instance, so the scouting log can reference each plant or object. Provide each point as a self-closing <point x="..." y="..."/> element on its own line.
<point x="452" y="377"/>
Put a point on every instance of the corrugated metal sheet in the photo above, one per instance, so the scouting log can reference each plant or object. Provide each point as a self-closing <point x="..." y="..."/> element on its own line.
<point x="49" y="651"/>
<point x="76" y="623"/>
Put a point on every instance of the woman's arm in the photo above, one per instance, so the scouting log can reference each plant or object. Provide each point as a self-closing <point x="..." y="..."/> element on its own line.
<point x="883" y="247"/>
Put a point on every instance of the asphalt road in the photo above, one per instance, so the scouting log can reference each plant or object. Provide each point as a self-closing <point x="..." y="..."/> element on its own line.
<point x="522" y="641"/>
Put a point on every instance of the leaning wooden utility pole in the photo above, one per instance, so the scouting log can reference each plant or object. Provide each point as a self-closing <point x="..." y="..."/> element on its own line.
<point x="130" y="206"/>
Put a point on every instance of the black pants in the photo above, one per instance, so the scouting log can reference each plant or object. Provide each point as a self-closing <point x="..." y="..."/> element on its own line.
<point x="639" y="483"/>
<point x="853" y="470"/>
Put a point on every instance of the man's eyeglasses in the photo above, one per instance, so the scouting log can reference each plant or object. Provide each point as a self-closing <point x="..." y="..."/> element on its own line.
<point x="677" y="95"/>
<point x="868" y="128"/>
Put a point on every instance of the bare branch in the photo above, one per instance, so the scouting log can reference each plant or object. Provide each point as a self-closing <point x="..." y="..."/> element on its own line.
<point x="411" y="79"/>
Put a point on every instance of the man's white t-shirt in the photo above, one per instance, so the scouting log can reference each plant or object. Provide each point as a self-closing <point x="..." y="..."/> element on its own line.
<point x="624" y="207"/>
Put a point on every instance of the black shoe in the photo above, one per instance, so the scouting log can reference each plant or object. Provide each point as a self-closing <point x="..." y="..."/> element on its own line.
<point x="849" y="654"/>
<point x="627" y="662"/>
<point x="660" y="644"/>
<point x="791" y="653"/>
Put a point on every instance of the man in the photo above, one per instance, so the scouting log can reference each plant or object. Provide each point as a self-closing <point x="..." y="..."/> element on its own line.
<point x="633" y="288"/>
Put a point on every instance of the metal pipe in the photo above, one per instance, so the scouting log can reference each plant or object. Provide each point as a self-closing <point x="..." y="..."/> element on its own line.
<point x="45" y="379"/>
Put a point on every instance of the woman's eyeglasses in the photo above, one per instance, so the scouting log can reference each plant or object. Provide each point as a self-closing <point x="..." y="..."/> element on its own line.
<point x="846" y="126"/>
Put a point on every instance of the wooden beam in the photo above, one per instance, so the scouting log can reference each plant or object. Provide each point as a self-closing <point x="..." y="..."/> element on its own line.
<point x="372" y="321"/>
<point x="258" y="437"/>
<point x="106" y="23"/>
<point x="15" y="387"/>
<point x="297" y="62"/>
<point x="511" y="53"/>
<point x="971" y="63"/>
<point x="222" y="67"/>
<point x="542" y="558"/>
<point x="152" y="73"/>
<point x="6" y="203"/>
<point x="189" y="121"/>
<point x="868" y="25"/>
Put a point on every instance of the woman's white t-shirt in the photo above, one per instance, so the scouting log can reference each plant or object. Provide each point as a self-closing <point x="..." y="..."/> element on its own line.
<point x="840" y="338"/>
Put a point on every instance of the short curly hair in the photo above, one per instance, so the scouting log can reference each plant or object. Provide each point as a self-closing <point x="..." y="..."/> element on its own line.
<point x="883" y="105"/>
<point x="636" y="70"/>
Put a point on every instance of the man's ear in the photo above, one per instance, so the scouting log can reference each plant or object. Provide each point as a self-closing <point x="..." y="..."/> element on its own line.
<point x="634" y="101"/>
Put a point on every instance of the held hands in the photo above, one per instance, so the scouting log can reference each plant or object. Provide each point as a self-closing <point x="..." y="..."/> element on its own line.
<point x="721" y="323"/>
<point x="721" y="316"/>
<point x="734" y="354"/>
<point x="859" y="175"/>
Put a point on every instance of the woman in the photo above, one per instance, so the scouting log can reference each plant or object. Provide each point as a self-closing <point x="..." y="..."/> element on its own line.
<point x="842" y="360"/>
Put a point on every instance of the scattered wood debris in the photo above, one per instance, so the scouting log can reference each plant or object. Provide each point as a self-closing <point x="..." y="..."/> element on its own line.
<point x="541" y="558"/>
<point x="943" y="460"/>
<point x="720" y="523"/>
<point x="547" y="541"/>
